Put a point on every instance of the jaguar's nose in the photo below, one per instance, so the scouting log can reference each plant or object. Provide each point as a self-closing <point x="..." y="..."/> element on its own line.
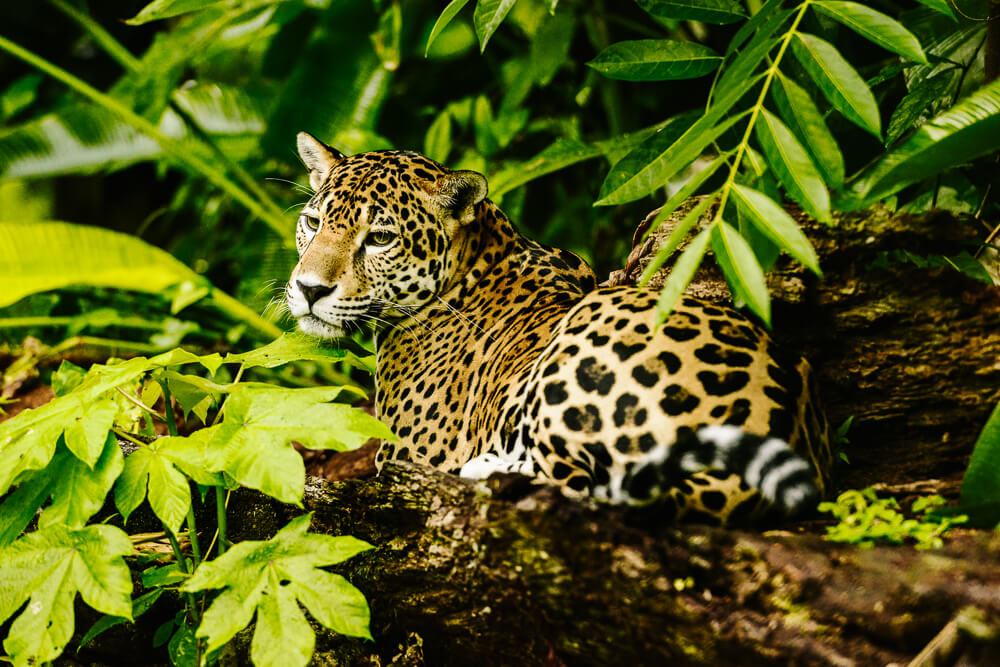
<point x="313" y="293"/>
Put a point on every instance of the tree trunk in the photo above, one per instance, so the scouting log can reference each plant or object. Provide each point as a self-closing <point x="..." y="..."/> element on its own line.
<point x="503" y="573"/>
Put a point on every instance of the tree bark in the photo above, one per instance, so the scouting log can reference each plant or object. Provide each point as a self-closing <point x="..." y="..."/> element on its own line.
<point x="504" y="573"/>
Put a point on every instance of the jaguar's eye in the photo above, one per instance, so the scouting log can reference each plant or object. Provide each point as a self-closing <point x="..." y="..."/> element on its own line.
<point x="380" y="237"/>
<point x="311" y="222"/>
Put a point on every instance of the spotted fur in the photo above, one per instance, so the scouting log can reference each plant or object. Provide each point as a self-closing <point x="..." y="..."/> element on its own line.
<point x="500" y="354"/>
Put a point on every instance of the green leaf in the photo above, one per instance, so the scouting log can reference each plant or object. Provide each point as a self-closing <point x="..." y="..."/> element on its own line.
<point x="261" y="421"/>
<point x="681" y="274"/>
<point x="968" y="130"/>
<point x="453" y="8"/>
<point x="163" y="9"/>
<point x="802" y="116"/>
<point x="710" y="11"/>
<point x="88" y="431"/>
<point x="50" y="255"/>
<point x="772" y="220"/>
<point x="736" y="259"/>
<point x="488" y="17"/>
<point x="271" y="578"/>
<point x="291" y="347"/>
<point x="839" y="82"/>
<point x="791" y="163"/>
<point x="80" y="490"/>
<point x="981" y="483"/>
<point x="169" y="494"/>
<point x="655" y="60"/>
<point x="437" y="143"/>
<point x="66" y="378"/>
<point x="874" y="26"/>
<point x="655" y="161"/>
<point x="46" y="569"/>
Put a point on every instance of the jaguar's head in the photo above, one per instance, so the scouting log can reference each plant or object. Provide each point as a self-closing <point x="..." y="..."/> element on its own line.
<point x="380" y="237"/>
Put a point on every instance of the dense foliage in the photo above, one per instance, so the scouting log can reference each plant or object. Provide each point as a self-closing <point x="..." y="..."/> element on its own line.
<point x="165" y="142"/>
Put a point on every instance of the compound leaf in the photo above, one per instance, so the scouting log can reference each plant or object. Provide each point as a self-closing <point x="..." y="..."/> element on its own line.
<point x="254" y="438"/>
<point x="47" y="568"/>
<point x="802" y="117"/>
<point x="269" y="579"/>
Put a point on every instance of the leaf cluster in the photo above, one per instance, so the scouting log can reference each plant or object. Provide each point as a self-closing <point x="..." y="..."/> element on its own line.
<point x="60" y="462"/>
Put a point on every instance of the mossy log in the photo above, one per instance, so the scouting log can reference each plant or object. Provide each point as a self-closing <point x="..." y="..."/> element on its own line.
<point x="504" y="573"/>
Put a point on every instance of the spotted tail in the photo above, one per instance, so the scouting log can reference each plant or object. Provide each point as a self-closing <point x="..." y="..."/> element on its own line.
<point x="785" y="479"/>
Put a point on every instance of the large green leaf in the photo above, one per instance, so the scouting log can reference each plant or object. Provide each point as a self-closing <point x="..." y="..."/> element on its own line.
<point x="739" y="264"/>
<point x="655" y="60"/>
<point x="295" y="346"/>
<point x="47" y="568"/>
<point x="922" y="95"/>
<point x="38" y="257"/>
<point x="802" y="116"/>
<point x="775" y="224"/>
<point x="875" y="26"/>
<point x="709" y="11"/>
<point x="789" y="160"/>
<point x="968" y="130"/>
<point x="271" y="579"/>
<point x="488" y="17"/>
<point x="254" y="439"/>
<point x="839" y="82"/>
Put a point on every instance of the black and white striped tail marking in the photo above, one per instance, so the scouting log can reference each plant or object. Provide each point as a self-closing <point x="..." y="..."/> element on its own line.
<point x="785" y="479"/>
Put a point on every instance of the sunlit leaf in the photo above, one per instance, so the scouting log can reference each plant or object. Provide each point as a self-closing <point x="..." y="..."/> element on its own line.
<point x="254" y="438"/>
<point x="44" y="256"/>
<point x="875" y="26"/>
<point x="772" y="220"/>
<point x="80" y="490"/>
<point x="709" y="11"/>
<point x="792" y="164"/>
<point x="453" y="8"/>
<point x="968" y="130"/>
<point x="46" y="569"/>
<point x="291" y="347"/>
<point x="169" y="494"/>
<point x="802" y="116"/>
<point x="271" y="579"/>
<point x="488" y="17"/>
<point x="839" y="82"/>
<point x="739" y="264"/>
<point x="655" y="60"/>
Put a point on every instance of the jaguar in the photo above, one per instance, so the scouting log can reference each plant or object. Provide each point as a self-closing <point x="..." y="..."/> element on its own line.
<point x="495" y="353"/>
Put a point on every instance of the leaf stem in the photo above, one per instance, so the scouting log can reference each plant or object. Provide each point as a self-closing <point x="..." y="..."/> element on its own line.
<point x="220" y="516"/>
<point x="142" y="406"/>
<point x="193" y="535"/>
<point x="168" y="409"/>
<point x="758" y="105"/>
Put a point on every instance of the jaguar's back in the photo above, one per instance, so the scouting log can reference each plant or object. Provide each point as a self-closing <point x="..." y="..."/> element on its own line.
<point x="501" y="353"/>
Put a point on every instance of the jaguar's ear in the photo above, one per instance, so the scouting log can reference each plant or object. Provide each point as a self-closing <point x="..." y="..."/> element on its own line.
<point x="317" y="157"/>
<point x="459" y="191"/>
